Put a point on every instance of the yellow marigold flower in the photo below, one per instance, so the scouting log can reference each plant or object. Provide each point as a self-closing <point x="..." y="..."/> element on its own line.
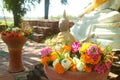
<point x="53" y="56"/>
<point x="84" y="47"/>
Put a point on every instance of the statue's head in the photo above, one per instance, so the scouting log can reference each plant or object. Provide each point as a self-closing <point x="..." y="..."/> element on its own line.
<point x="64" y="23"/>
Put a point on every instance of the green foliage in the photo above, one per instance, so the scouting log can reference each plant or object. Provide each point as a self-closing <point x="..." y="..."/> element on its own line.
<point x="108" y="49"/>
<point x="64" y="2"/>
<point x="55" y="17"/>
<point x="19" y="8"/>
<point x="8" y="23"/>
<point x="60" y="16"/>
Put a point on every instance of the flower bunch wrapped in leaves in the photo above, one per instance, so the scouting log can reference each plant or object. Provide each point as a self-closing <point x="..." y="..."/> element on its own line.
<point x="11" y="32"/>
<point x="83" y="57"/>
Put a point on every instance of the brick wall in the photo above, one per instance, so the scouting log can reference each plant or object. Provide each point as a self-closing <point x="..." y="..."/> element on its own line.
<point x="44" y="23"/>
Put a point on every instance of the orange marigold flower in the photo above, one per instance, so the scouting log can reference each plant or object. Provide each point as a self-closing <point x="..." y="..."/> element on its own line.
<point x="88" y="59"/>
<point x="19" y="34"/>
<point x="97" y="60"/>
<point x="8" y="35"/>
<point x="59" y="68"/>
<point x="88" y="69"/>
<point x="73" y="68"/>
<point x="44" y="60"/>
<point x="26" y="31"/>
<point x="66" y="49"/>
<point x="4" y="32"/>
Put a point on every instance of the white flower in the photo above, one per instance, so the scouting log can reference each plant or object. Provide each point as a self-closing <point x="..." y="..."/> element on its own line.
<point x="76" y="59"/>
<point x="80" y="66"/>
<point x="58" y="47"/>
<point x="55" y="62"/>
<point x="66" y="63"/>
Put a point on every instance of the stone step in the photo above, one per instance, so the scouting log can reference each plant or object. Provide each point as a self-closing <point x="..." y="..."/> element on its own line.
<point x="37" y="37"/>
<point x="43" y="30"/>
<point x="116" y="64"/>
<point x="115" y="68"/>
<point x="113" y="76"/>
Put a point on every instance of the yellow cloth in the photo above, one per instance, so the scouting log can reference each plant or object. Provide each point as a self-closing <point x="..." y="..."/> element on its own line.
<point x="97" y="3"/>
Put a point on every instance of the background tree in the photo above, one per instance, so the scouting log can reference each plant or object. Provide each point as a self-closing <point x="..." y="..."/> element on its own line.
<point x="19" y="8"/>
<point x="47" y="2"/>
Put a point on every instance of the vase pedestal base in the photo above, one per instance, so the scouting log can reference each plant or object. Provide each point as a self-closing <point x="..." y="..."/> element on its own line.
<point x="15" y="45"/>
<point x="16" y="70"/>
<point x="15" y="62"/>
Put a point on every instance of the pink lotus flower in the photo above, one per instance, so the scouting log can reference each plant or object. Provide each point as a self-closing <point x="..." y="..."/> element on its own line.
<point x="46" y="51"/>
<point x="103" y="67"/>
<point x="94" y="51"/>
<point x="75" y="47"/>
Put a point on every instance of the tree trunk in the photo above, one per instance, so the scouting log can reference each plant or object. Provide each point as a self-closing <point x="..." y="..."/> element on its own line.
<point x="17" y="19"/>
<point x="46" y="9"/>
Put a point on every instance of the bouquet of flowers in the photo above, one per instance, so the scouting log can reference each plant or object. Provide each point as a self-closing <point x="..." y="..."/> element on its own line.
<point x="16" y="32"/>
<point x="83" y="57"/>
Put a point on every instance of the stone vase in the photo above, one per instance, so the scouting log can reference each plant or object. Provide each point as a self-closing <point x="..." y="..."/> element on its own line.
<point x="15" y="45"/>
<point x="69" y="75"/>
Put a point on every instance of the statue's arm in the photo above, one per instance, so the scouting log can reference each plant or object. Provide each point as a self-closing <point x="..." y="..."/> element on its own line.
<point x="87" y="10"/>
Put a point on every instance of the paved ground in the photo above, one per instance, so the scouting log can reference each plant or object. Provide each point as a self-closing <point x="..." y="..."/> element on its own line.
<point x="31" y="57"/>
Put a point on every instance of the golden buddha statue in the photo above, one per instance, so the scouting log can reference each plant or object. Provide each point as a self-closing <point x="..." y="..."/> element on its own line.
<point x="64" y="36"/>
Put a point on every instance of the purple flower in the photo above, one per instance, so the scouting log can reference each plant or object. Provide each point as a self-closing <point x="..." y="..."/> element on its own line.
<point x="75" y="47"/>
<point x="94" y="51"/>
<point x="46" y="51"/>
<point x="101" y="68"/>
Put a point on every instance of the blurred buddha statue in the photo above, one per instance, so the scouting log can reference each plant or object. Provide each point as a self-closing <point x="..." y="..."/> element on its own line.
<point x="100" y="11"/>
<point x="64" y="36"/>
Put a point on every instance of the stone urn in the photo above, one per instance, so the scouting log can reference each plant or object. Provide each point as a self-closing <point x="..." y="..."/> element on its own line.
<point x="15" y="45"/>
<point x="69" y="75"/>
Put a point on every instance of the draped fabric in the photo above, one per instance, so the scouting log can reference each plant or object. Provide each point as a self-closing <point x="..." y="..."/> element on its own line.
<point x="97" y="3"/>
<point x="102" y="14"/>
